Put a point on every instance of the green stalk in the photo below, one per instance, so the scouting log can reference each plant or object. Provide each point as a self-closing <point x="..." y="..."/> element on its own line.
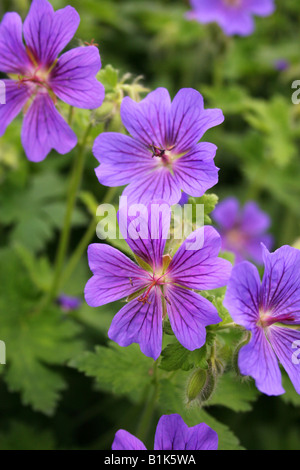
<point x="85" y="241"/>
<point x="146" y="418"/>
<point x="72" y="196"/>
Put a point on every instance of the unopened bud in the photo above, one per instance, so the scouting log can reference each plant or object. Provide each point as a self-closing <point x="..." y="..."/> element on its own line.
<point x="196" y="384"/>
<point x="209" y="387"/>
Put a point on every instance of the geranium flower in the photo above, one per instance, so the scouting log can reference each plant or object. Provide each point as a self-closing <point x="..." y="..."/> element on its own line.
<point x="233" y="16"/>
<point x="68" y="303"/>
<point x="163" y="286"/>
<point x="242" y="229"/>
<point x="163" y="155"/>
<point x="271" y="311"/>
<point x="39" y="77"/>
<point x="171" y="434"/>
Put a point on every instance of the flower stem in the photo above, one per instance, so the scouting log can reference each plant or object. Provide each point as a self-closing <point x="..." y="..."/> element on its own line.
<point x="85" y="241"/>
<point x="145" y="422"/>
<point x="72" y="196"/>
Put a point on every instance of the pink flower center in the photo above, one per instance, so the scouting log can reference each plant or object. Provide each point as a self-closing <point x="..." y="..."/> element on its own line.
<point x="156" y="281"/>
<point x="266" y="319"/>
<point x="38" y="75"/>
<point x="164" y="155"/>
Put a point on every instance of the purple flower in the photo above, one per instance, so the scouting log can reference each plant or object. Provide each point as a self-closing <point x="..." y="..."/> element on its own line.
<point x="68" y="303"/>
<point x="161" y="285"/>
<point x="233" y="16"/>
<point x="163" y="155"/>
<point x="39" y="77"/>
<point x="270" y="310"/>
<point x="242" y="230"/>
<point x="171" y="434"/>
<point x="281" y="65"/>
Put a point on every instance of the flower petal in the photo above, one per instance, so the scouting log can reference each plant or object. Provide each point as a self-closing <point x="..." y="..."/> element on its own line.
<point x="141" y="323"/>
<point x="122" y="159"/>
<point x="254" y="220"/>
<point x="189" y="314"/>
<point x="171" y="433"/>
<point x="286" y="344"/>
<point x="126" y="441"/>
<point x="189" y="119"/>
<point x="226" y="213"/>
<point x="16" y="96"/>
<point x="148" y="121"/>
<point x="196" y="172"/>
<point x="243" y="294"/>
<point x="153" y="185"/>
<point x="146" y="230"/>
<point x="115" y="275"/>
<point x="261" y="7"/>
<point x="281" y="284"/>
<point x="13" y="58"/>
<point x="202" y="437"/>
<point x="74" y="81"/>
<point x="47" y="32"/>
<point x="196" y="264"/>
<point x="258" y="360"/>
<point x="45" y="129"/>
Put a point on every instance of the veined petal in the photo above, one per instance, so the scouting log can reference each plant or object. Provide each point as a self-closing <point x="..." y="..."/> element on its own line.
<point x="45" y="129"/>
<point x="286" y="344"/>
<point x="202" y="437"/>
<point x="196" y="172"/>
<point x="122" y="159"/>
<point x="146" y="230"/>
<point x="16" y="97"/>
<point x="126" y="441"/>
<point x="171" y="433"/>
<point x="226" y="213"/>
<point x="243" y="294"/>
<point x="47" y="32"/>
<point x="148" y="121"/>
<point x="74" y="81"/>
<point x="157" y="184"/>
<point x="13" y="58"/>
<point x="196" y="264"/>
<point x="189" y="314"/>
<point x="115" y="275"/>
<point x="258" y="360"/>
<point x="189" y="119"/>
<point x="139" y="322"/>
<point x="281" y="284"/>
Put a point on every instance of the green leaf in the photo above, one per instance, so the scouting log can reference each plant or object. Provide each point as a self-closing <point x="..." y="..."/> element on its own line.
<point x="36" y="211"/>
<point x="21" y="436"/>
<point x="234" y="394"/>
<point x="175" y="357"/>
<point x="34" y="341"/>
<point x="122" y="371"/>
<point x="290" y="396"/>
<point x="209" y="201"/>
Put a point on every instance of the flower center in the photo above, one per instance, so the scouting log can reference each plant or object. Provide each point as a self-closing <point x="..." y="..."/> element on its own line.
<point x="164" y="155"/>
<point x="232" y="3"/>
<point x="266" y="319"/>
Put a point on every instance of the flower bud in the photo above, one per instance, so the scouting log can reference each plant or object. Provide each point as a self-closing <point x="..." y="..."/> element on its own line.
<point x="196" y="384"/>
<point x="209" y="388"/>
<point x="235" y="358"/>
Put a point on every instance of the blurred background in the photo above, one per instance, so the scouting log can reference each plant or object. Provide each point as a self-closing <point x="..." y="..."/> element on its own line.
<point x="250" y="79"/>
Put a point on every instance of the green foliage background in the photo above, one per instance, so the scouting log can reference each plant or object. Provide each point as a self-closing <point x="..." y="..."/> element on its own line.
<point x="57" y="390"/>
